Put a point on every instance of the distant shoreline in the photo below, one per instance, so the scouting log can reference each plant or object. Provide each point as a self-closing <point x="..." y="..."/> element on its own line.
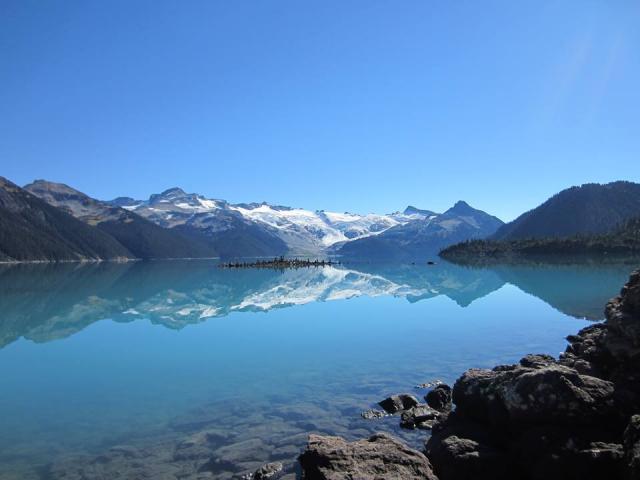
<point x="101" y="260"/>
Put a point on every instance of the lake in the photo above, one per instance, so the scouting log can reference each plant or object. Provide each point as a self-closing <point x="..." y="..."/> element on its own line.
<point x="180" y="369"/>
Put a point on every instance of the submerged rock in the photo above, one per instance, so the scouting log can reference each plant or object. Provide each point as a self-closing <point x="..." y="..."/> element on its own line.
<point x="379" y="457"/>
<point x="371" y="414"/>
<point x="397" y="403"/>
<point x="270" y="470"/>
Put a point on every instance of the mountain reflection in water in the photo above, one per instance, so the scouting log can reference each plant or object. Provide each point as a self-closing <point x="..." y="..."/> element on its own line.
<point x="48" y="302"/>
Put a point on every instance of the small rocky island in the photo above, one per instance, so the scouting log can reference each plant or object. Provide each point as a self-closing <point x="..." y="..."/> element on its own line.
<point x="280" y="263"/>
<point x="575" y="417"/>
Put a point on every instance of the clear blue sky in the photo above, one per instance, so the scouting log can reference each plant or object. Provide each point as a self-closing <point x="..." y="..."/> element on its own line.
<point x="342" y="105"/>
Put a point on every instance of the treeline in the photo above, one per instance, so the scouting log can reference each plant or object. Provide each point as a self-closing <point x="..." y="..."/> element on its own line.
<point x="624" y="240"/>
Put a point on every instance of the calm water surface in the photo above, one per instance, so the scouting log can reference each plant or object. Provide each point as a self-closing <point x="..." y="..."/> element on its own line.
<point x="148" y="354"/>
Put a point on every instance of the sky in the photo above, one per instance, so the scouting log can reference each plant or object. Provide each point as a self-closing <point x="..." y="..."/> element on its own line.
<point x="359" y="105"/>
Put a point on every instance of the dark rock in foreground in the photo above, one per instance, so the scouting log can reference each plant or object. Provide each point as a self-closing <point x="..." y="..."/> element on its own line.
<point x="571" y="418"/>
<point x="379" y="457"/>
<point x="439" y="398"/>
<point x="632" y="447"/>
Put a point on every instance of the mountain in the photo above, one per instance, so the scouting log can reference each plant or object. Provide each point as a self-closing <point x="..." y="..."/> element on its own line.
<point x="33" y="230"/>
<point x="248" y="229"/>
<point x="123" y="202"/>
<point x="177" y="224"/>
<point x="425" y="236"/>
<point x="194" y="216"/>
<point x="587" y="209"/>
<point x="305" y="231"/>
<point x="144" y="239"/>
<point x="411" y="210"/>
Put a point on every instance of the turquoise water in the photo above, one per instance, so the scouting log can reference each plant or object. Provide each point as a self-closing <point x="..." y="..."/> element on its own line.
<point x="147" y="354"/>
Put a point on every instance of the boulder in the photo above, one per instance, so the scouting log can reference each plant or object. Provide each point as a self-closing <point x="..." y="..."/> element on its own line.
<point x="439" y="398"/>
<point x="420" y="416"/>
<point x="459" y="458"/>
<point x="555" y="393"/>
<point x="540" y="391"/>
<point x="397" y="403"/>
<point x="378" y="457"/>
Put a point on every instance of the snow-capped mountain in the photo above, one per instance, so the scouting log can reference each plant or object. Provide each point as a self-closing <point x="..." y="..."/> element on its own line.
<point x="307" y="231"/>
<point x="424" y="237"/>
<point x="142" y="238"/>
<point x="175" y="207"/>
<point x="176" y="224"/>
<point x="301" y="231"/>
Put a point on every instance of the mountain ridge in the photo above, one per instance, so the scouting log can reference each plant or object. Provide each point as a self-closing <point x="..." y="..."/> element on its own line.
<point x="590" y="208"/>
<point x="31" y="230"/>
<point x="144" y="239"/>
<point x="178" y="224"/>
<point x="274" y="229"/>
<point x="426" y="236"/>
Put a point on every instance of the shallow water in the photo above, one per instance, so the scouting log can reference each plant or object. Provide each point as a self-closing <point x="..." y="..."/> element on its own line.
<point x="151" y="355"/>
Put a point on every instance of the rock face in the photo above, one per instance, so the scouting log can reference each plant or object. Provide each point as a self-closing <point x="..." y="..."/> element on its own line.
<point x="379" y="457"/>
<point x="571" y="418"/>
<point x="632" y="447"/>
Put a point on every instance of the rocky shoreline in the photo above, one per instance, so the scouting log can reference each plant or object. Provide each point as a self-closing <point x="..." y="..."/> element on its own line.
<point x="575" y="417"/>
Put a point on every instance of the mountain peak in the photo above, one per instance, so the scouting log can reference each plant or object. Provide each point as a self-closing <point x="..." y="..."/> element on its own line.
<point x="590" y="208"/>
<point x="169" y="195"/>
<point x="123" y="202"/>
<point x="461" y="207"/>
<point x="411" y="210"/>
<point x="42" y="188"/>
<point x="173" y="192"/>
